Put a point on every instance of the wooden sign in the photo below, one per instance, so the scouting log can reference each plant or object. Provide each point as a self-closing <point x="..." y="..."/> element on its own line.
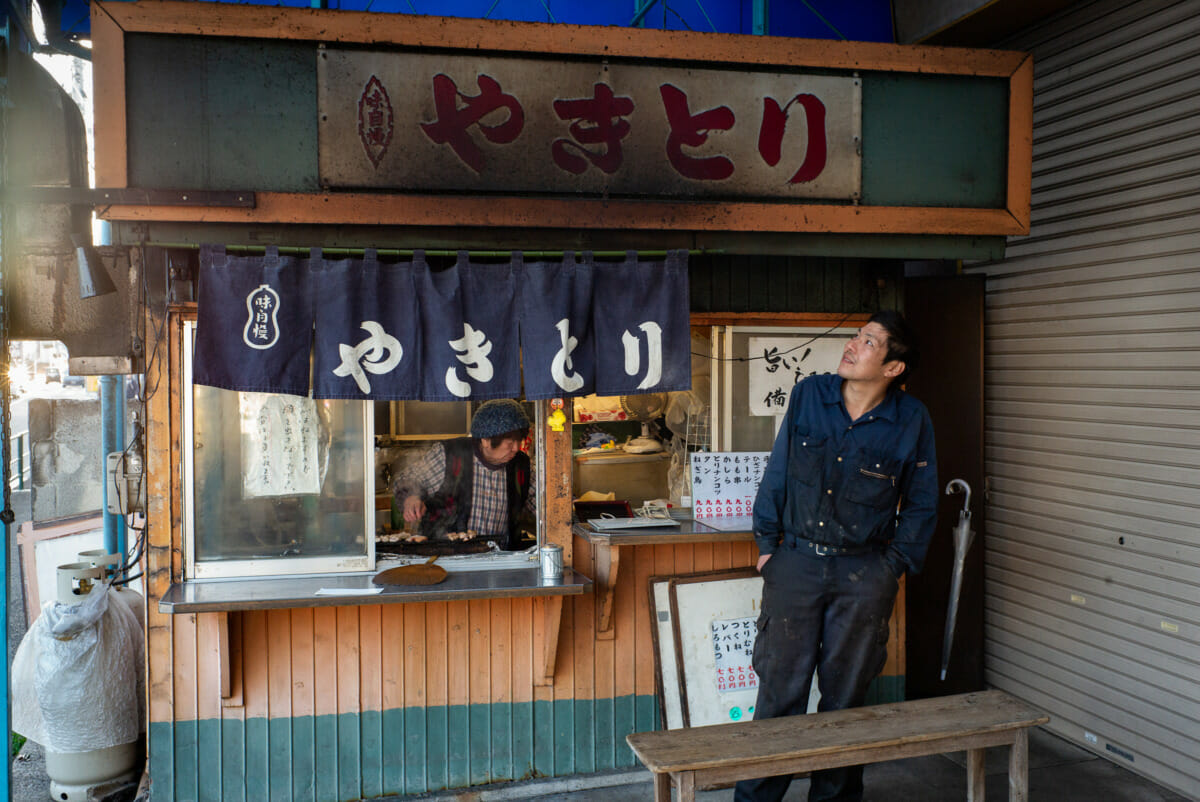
<point x="451" y="122"/>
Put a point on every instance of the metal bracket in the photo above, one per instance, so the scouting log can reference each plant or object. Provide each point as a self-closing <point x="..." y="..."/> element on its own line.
<point x="126" y="196"/>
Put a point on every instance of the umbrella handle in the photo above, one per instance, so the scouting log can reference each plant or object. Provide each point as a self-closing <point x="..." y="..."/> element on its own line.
<point x="960" y="486"/>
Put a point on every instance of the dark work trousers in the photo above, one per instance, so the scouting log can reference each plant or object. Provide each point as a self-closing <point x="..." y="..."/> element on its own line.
<point x="829" y="614"/>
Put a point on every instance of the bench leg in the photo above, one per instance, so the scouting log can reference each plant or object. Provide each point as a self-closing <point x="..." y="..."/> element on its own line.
<point x="662" y="787"/>
<point x="687" y="786"/>
<point x="1018" y="767"/>
<point x="976" y="776"/>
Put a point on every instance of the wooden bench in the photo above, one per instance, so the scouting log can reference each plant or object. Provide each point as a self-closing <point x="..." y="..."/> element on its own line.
<point x="725" y="753"/>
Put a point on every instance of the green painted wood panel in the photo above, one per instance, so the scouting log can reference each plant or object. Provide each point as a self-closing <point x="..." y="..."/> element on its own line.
<point x="214" y="113"/>
<point x="349" y="757"/>
<point x="258" y="767"/>
<point x="373" y="756"/>
<point x="412" y="753"/>
<point x="221" y="114"/>
<point x="231" y="769"/>
<point x="185" y="741"/>
<point x="934" y="140"/>
<point x="304" y="759"/>
<point x="210" y="763"/>
<point x="499" y="748"/>
<point x="394" y="758"/>
<point x="325" y="779"/>
<point x="721" y="283"/>
<point x="458" y="746"/>
<point x="280" y="759"/>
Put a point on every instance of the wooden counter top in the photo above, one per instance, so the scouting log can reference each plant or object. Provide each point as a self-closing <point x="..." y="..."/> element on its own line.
<point x="267" y="593"/>
<point x="688" y="531"/>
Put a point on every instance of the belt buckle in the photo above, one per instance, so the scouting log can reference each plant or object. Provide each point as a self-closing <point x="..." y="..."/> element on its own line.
<point x="821" y="549"/>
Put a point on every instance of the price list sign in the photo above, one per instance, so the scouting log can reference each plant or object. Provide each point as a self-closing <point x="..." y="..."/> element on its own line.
<point x="733" y="646"/>
<point x="724" y="484"/>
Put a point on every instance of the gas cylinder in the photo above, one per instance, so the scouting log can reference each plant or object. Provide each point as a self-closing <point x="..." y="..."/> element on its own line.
<point x="78" y="776"/>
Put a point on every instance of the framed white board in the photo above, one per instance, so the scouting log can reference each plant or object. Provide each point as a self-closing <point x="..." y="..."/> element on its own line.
<point x="715" y="620"/>
<point x="666" y="670"/>
<point x="704" y="627"/>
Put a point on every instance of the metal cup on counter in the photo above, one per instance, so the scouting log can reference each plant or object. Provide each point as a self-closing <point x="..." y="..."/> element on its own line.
<point x="552" y="564"/>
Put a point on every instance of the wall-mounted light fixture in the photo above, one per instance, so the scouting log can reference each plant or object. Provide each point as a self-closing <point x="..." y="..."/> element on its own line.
<point x="93" y="278"/>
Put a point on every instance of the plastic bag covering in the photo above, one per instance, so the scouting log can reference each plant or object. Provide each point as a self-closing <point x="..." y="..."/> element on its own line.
<point x="78" y="676"/>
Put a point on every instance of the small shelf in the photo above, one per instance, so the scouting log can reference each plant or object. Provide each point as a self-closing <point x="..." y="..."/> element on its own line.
<point x="606" y="556"/>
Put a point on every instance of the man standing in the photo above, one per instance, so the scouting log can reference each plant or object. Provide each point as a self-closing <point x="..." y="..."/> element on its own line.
<point x="847" y="504"/>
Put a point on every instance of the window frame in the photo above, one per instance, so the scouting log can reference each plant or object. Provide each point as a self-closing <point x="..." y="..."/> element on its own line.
<point x="289" y="566"/>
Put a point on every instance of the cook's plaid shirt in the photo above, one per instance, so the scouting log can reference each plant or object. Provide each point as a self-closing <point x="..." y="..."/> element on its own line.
<point x="489" y="496"/>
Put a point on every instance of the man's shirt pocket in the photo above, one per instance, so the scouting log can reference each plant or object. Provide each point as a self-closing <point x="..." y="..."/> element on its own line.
<point x="873" y="481"/>
<point x="806" y="458"/>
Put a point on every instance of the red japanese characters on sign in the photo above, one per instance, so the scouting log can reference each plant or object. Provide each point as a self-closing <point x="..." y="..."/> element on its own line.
<point x="467" y="123"/>
<point x="375" y="120"/>
<point x="450" y="127"/>
<point x="598" y="120"/>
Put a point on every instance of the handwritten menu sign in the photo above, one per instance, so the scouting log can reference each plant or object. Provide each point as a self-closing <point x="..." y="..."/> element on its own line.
<point x="724" y="483"/>
<point x="733" y="646"/>
<point x="778" y="363"/>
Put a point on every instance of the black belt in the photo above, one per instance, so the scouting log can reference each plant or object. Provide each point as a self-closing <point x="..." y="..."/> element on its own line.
<point x="824" y="550"/>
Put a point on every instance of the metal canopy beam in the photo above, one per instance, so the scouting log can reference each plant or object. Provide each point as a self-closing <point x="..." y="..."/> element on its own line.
<point x="85" y="196"/>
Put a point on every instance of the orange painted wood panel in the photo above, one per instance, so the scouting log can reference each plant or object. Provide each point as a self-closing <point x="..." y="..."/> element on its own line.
<point x="436" y="655"/>
<point x="162" y="638"/>
<point x="279" y="663"/>
<point x="302" y="640"/>
<point x="479" y="617"/>
<point x="556" y="609"/>
<point x="644" y="682"/>
<point x="108" y="92"/>
<point x="1020" y="143"/>
<point x="348" y="649"/>
<point x="522" y="649"/>
<point x="558" y="503"/>
<point x="415" y="646"/>
<point x="184" y="682"/>
<point x="325" y="662"/>
<point x="501" y="656"/>
<point x="458" y="653"/>
<point x="371" y="677"/>
<point x="722" y="556"/>
<point x="254" y="662"/>
<point x="581" y="638"/>
<point x="391" y="655"/>
<point x="624" y="654"/>
<point x="208" y="666"/>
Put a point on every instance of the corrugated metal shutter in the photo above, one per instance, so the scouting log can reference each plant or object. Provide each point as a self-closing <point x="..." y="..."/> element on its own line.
<point x="1093" y="394"/>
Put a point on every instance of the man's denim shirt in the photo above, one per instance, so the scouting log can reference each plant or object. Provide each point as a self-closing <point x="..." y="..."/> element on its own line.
<point x="838" y="482"/>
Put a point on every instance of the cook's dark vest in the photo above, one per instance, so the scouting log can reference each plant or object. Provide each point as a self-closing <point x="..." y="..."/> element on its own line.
<point x="449" y="509"/>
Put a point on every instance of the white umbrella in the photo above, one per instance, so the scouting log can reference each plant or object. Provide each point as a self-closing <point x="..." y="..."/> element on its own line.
<point x="962" y="544"/>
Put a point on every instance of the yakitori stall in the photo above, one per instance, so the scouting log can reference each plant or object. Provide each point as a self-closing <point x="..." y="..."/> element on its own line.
<point x="357" y="227"/>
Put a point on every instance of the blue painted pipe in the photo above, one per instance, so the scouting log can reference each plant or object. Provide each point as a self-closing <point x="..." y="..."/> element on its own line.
<point x="112" y="438"/>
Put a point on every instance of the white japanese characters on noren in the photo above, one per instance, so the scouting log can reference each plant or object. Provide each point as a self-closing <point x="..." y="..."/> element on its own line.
<point x="369" y="355"/>
<point x="633" y="351"/>
<point x="473" y="348"/>
<point x="261" y="331"/>
<point x="559" y="367"/>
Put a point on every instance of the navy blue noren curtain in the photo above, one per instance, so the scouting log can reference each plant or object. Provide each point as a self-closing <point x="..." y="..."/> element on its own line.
<point x="405" y="331"/>
<point x="254" y="331"/>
